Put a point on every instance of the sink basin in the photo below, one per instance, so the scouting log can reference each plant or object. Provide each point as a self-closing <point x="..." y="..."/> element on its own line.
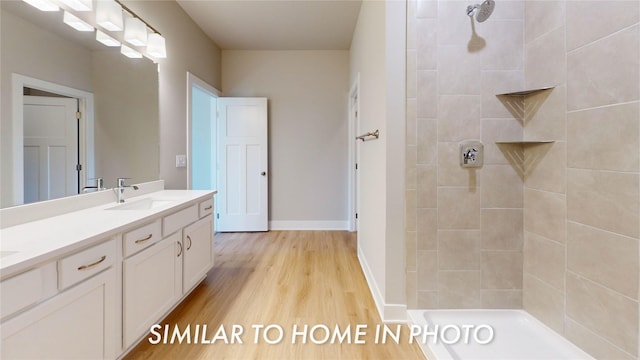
<point x="142" y="204"/>
<point x="7" y="253"/>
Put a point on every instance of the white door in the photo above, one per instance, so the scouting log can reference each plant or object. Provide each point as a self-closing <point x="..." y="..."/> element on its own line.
<point x="50" y="148"/>
<point x="242" y="165"/>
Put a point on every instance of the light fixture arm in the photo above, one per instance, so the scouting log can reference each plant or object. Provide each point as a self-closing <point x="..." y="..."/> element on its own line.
<point x="125" y="8"/>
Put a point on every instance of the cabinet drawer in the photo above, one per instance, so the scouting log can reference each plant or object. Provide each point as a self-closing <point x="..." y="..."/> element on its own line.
<point x="206" y="208"/>
<point x="176" y="221"/>
<point x="26" y="289"/>
<point x="142" y="237"/>
<point x="86" y="263"/>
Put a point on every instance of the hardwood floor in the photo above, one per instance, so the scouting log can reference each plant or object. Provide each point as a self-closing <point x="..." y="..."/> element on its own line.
<point x="283" y="278"/>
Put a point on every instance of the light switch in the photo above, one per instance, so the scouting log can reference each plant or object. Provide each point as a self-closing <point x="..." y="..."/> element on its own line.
<point x="181" y="161"/>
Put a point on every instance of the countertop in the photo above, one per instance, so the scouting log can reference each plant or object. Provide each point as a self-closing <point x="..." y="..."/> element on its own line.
<point x="37" y="242"/>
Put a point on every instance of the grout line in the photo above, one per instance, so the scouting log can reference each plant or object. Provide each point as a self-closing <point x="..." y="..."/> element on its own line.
<point x="544" y="282"/>
<point x="546" y="238"/>
<point x="600" y="39"/>
<point x="586" y="328"/>
<point x="569" y="221"/>
<point x="585" y="278"/>
<point x="545" y="191"/>
<point x="601" y="106"/>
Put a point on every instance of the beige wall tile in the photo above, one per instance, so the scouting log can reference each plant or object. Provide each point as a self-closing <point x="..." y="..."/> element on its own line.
<point x="458" y="70"/>
<point x="453" y="29"/>
<point x="459" y="250"/>
<point x="426" y="187"/>
<point x="548" y="171"/>
<point x="427" y="299"/>
<point x="427" y="95"/>
<point x="411" y="250"/>
<point x="501" y="269"/>
<point x="410" y="210"/>
<point x="427" y="229"/>
<point x="502" y="229"/>
<point x="426" y="9"/>
<point x="592" y="343"/>
<point x="458" y="289"/>
<point x="595" y="78"/>
<point x="458" y="208"/>
<point x="503" y="49"/>
<point x="412" y="298"/>
<point x="427" y="44"/>
<point x="501" y="299"/>
<point x="501" y="187"/>
<point x="588" y="21"/>
<point x="618" y="324"/>
<point x="544" y="259"/>
<point x="459" y="117"/>
<point x="427" y="141"/>
<point x="605" y="138"/>
<point x="427" y="270"/>
<point x="509" y="10"/>
<point x="545" y="214"/>
<point x="604" y="257"/>
<point x="412" y="78"/>
<point x="498" y="130"/>
<point x="545" y="60"/>
<point x="411" y="178"/>
<point x="411" y="156"/>
<point x="546" y="113"/>
<point x="412" y="123"/>
<point x="499" y="82"/>
<point x="450" y="173"/>
<point x="606" y="200"/>
<point x="412" y="42"/>
<point x="544" y="302"/>
<point x="542" y="17"/>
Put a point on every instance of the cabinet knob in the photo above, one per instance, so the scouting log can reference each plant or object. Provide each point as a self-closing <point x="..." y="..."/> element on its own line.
<point x="264" y="173"/>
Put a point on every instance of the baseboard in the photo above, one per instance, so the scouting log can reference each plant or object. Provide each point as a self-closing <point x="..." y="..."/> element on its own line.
<point x="389" y="313"/>
<point x="309" y="225"/>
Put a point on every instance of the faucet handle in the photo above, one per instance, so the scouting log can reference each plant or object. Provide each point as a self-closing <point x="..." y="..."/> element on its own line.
<point x="99" y="183"/>
<point x="120" y="181"/>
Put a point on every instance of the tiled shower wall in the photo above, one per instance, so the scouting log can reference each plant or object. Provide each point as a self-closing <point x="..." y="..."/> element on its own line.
<point x="581" y="201"/>
<point x="574" y="229"/>
<point x="464" y="227"/>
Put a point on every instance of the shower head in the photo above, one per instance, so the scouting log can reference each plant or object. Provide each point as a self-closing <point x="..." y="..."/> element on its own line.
<point x="482" y="11"/>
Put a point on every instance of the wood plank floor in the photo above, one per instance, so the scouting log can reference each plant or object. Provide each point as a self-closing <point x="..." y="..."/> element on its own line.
<point x="283" y="278"/>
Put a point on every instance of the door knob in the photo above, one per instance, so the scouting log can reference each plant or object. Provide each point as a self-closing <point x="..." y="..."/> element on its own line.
<point x="264" y="173"/>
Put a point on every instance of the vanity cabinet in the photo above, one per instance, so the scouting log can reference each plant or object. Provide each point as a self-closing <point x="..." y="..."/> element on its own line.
<point x="80" y="321"/>
<point x="159" y="276"/>
<point x="198" y="252"/>
<point x="152" y="285"/>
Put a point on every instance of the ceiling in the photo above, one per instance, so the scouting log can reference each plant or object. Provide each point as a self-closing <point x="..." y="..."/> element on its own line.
<point x="276" y="24"/>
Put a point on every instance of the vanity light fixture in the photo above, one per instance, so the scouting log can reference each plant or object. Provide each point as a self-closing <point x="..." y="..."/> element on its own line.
<point x="129" y="52"/>
<point x="109" y="15"/>
<point x="106" y="39"/>
<point x="79" y="5"/>
<point x="75" y="22"/>
<point x="135" y="31"/>
<point x="43" y="5"/>
<point x="156" y="46"/>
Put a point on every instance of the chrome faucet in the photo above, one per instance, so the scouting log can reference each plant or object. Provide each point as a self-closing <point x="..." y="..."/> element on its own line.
<point x="99" y="185"/>
<point x="120" y="189"/>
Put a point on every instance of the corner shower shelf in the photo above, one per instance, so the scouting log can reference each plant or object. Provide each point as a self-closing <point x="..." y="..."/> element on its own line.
<point x="526" y="92"/>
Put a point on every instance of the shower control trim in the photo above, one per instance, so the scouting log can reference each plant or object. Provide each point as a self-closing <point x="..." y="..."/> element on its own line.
<point x="471" y="154"/>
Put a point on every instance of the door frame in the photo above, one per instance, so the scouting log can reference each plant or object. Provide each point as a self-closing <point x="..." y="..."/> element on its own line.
<point x="354" y="93"/>
<point x="86" y="125"/>
<point x="193" y="80"/>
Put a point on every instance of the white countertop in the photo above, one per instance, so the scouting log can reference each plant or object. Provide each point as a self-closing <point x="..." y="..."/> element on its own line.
<point x="39" y="241"/>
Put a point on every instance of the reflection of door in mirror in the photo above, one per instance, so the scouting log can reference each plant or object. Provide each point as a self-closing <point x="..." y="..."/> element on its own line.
<point x="50" y="147"/>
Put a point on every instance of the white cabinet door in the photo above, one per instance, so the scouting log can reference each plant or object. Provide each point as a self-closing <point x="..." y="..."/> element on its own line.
<point x="152" y="285"/>
<point x="80" y="323"/>
<point x="198" y="251"/>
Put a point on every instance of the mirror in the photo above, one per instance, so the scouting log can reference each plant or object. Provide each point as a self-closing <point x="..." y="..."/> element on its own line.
<point x="43" y="60"/>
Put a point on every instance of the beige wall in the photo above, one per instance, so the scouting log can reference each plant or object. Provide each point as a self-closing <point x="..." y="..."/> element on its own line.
<point x="68" y="64"/>
<point x="308" y="95"/>
<point x="188" y="49"/>
<point x="377" y="62"/>
<point x="464" y="227"/>
<point x="582" y="217"/>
